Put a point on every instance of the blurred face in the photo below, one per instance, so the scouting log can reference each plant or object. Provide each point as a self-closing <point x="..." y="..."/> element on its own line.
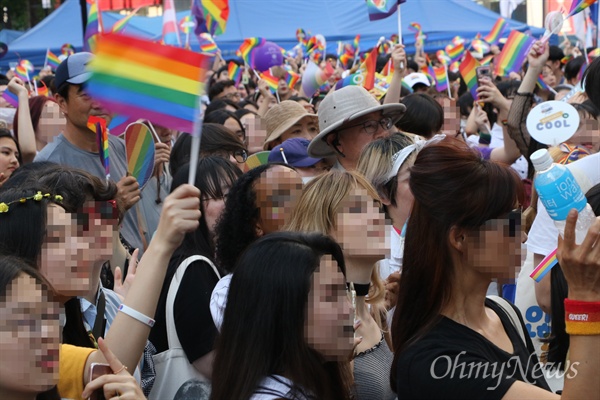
<point x="283" y="88"/>
<point x="261" y="100"/>
<point x="164" y="134"/>
<point x="277" y="192"/>
<point x="242" y="91"/>
<point x="80" y="107"/>
<point x="495" y="248"/>
<point x="328" y="328"/>
<point x="29" y="337"/>
<point x="361" y="226"/>
<point x="588" y="133"/>
<point x="51" y="124"/>
<point x="548" y="75"/>
<point x="96" y="221"/>
<point x="235" y="127"/>
<point x="8" y="156"/>
<point x="306" y="128"/>
<point x="67" y="258"/>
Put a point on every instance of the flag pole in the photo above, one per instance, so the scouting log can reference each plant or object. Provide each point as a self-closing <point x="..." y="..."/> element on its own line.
<point x="400" y="32"/>
<point x="195" y="150"/>
<point x="447" y="81"/>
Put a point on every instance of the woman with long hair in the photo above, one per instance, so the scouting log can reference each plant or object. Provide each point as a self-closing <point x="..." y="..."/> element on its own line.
<point x="10" y="158"/>
<point x="287" y="328"/>
<point x="450" y="341"/>
<point x="345" y="206"/>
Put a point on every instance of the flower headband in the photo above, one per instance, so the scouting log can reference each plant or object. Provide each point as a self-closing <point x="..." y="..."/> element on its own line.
<point x="400" y="157"/>
<point x="4" y="207"/>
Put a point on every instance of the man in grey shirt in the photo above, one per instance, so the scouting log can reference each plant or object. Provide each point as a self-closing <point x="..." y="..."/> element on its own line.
<point x="77" y="145"/>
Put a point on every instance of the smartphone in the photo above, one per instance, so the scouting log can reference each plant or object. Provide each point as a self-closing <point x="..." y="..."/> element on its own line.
<point x="97" y="370"/>
<point x="484" y="72"/>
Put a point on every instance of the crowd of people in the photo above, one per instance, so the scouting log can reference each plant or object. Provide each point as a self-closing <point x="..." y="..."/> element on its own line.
<point x="348" y="245"/>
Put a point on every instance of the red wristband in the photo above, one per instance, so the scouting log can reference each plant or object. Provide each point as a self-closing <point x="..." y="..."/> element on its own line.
<point x="582" y="317"/>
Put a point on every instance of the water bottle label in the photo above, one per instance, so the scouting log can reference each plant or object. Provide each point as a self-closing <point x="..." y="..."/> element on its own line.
<point x="560" y="196"/>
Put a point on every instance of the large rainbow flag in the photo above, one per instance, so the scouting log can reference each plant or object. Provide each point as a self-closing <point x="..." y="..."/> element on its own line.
<point x="141" y="79"/>
<point x="513" y="53"/>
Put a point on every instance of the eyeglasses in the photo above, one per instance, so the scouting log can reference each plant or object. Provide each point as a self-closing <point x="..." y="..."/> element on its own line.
<point x="232" y="95"/>
<point x="371" y="127"/>
<point x="104" y="210"/>
<point x="240" y="156"/>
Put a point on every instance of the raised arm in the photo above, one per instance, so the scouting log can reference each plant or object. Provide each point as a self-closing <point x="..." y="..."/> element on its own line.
<point x="399" y="61"/>
<point x="26" y="139"/>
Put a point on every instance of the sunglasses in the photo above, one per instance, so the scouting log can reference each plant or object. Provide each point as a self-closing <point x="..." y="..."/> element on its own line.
<point x="94" y="210"/>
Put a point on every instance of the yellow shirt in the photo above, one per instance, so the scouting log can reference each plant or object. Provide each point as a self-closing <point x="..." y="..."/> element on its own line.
<point x="72" y="361"/>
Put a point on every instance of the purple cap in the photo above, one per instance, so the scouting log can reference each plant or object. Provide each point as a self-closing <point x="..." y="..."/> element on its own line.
<point x="295" y="151"/>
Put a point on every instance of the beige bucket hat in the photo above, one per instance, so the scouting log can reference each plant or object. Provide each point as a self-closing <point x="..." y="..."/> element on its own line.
<point x="342" y="106"/>
<point x="282" y="117"/>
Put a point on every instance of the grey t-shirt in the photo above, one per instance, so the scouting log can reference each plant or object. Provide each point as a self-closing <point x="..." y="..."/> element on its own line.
<point x="61" y="151"/>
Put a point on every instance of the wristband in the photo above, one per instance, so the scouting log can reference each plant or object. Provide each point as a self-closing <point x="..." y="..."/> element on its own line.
<point x="582" y="317"/>
<point x="361" y="289"/>
<point x="144" y="319"/>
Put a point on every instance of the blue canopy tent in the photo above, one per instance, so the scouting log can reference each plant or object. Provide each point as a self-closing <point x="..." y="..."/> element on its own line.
<point x="9" y="35"/>
<point x="277" y="21"/>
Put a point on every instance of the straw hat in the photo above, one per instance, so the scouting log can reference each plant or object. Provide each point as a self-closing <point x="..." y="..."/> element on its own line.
<point x="282" y="117"/>
<point x="345" y="105"/>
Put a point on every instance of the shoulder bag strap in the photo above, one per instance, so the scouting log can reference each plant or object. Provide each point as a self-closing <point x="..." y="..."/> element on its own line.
<point x="512" y="315"/>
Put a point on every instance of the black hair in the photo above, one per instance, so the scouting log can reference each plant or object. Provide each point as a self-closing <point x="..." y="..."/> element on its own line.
<point x="508" y="89"/>
<point x="263" y="331"/>
<point x="573" y="67"/>
<point x="218" y="87"/>
<point x="412" y="64"/>
<point x="216" y="140"/>
<point x="465" y="104"/>
<point x="556" y="54"/>
<point x="221" y="116"/>
<point x="236" y="227"/>
<point x="424" y="116"/>
<point x="591" y="79"/>
<point x="219" y="104"/>
<point x="245" y="103"/>
<point x="587" y="107"/>
<point x="244" y="111"/>
<point x="5" y="133"/>
<point x="452" y="76"/>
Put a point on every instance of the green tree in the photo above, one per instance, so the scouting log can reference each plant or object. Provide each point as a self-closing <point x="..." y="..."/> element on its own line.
<point x="22" y="14"/>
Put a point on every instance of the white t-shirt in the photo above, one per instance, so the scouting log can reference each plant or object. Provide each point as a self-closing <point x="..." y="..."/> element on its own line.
<point x="543" y="236"/>
<point x="394" y="262"/>
<point x="218" y="300"/>
<point x="520" y="165"/>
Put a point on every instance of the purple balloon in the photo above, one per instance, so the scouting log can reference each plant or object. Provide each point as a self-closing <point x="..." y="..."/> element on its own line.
<point x="266" y="56"/>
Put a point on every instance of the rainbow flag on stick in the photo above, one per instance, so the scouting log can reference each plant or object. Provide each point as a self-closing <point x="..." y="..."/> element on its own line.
<point x="544" y="267"/>
<point x="93" y="28"/>
<point x="10" y="98"/>
<point x="369" y="68"/>
<point x="52" y="60"/>
<point x="271" y="80"/>
<point x="543" y="85"/>
<point x="455" y="52"/>
<point x="215" y="14"/>
<point x="22" y="73"/>
<point x="497" y="30"/>
<point x="98" y="125"/>
<point x="207" y="44"/>
<point x="142" y="79"/>
<point x="234" y="72"/>
<point x="245" y="50"/>
<point x="468" y="71"/>
<point x="314" y="77"/>
<point x="514" y="53"/>
<point x="579" y="5"/>
<point x="441" y="78"/>
<point x="292" y="79"/>
<point x="120" y="24"/>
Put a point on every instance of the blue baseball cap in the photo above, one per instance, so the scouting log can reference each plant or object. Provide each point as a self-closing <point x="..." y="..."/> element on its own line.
<point x="295" y="151"/>
<point x="73" y="69"/>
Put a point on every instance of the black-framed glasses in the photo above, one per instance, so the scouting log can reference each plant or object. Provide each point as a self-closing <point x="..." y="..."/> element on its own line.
<point x="372" y="126"/>
<point x="240" y="156"/>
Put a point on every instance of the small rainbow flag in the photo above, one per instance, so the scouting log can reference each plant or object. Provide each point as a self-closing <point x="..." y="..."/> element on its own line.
<point x="139" y="143"/>
<point x="487" y="60"/>
<point x="271" y="80"/>
<point x="207" y="44"/>
<point x="216" y="14"/>
<point x="67" y="49"/>
<point x="28" y="65"/>
<point x="245" y="50"/>
<point x="185" y="24"/>
<point x="541" y="84"/>
<point x="356" y="79"/>
<point x="443" y="57"/>
<point x="292" y="79"/>
<point x="10" y="98"/>
<point x="120" y="24"/>
<point x="234" y="72"/>
<point x="441" y="79"/>
<point x="429" y="73"/>
<point x="580" y="5"/>
<point x="455" y="52"/>
<point x="494" y="36"/>
<point x="314" y="77"/>
<point x="98" y="125"/>
<point x="544" y="267"/>
<point x="300" y="35"/>
<point x="52" y="60"/>
<point x="380" y="9"/>
<point x="369" y="68"/>
<point x="418" y="30"/>
<point x="142" y="79"/>
<point x="22" y="73"/>
<point x="468" y="71"/>
<point x="43" y="90"/>
<point x="514" y="53"/>
<point x="93" y="28"/>
<point x="594" y="54"/>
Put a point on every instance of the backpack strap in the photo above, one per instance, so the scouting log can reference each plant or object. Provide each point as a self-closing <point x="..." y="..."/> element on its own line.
<point x="512" y="315"/>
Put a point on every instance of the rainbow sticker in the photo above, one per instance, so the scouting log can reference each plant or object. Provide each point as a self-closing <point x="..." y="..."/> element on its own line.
<point x="544" y="267"/>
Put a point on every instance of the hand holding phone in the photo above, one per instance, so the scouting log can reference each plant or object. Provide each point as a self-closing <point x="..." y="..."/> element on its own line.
<point x="96" y="371"/>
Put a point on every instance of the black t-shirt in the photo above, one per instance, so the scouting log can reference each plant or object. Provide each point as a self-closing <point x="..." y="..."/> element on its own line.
<point x="193" y="321"/>
<point x="453" y="361"/>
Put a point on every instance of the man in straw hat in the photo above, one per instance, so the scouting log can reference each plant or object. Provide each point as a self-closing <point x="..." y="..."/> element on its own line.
<point x="287" y="120"/>
<point x="349" y="119"/>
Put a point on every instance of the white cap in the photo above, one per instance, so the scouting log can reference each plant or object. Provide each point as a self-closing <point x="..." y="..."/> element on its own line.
<point x="416" y="77"/>
<point x="541" y="160"/>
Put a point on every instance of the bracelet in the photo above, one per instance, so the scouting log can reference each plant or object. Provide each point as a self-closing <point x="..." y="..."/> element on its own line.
<point x="582" y="317"/>
<point x="144" y="319"/>
<point x="361" y="289"/>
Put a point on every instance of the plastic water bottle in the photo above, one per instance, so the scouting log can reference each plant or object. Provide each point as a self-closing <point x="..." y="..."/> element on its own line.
<point x="559" y="193"/>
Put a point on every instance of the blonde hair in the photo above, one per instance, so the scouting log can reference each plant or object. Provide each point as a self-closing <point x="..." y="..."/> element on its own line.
<point x="317" y="211"/>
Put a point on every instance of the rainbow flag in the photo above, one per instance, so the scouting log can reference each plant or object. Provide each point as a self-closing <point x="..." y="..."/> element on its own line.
<point x="93" y="28"/>
<point x="487" y="60"/>
<point x="429" y="73"/>
<point x="292" y="79"/>
<point x="468" y="72"/>
<point x="300" y="35"/>
<point x="385" y="47"/>
<point x="142" y="79"/>
<point x="418" y="30"/>
<point x="22" y="73"/>
<point x="234" y="72"/>
<point x="580" y="5"/>
<point x="544" y="267"/>
<point x="211" y="16"/>
<point x="185" y="24"/>
<point x="10" y="98"/>
<point x="67" y="49"/>
<point x="541" y="84"/>
<point x="380" y="9"/>
<point x="355" y="79"/>
<point x="406" y="86"/>
<point x="98" y="125"/>
<point x="514" y="53"/>
<point x="455" y="52"/>
<point x="245" y="50"/>
<point x="52" y="60"/>
<point x="120" y="24"/>
<point x="443" y="57"/>
<point x="594" y="54"/>
<point x="441" y="79"/>
<point x="369" y="68"/>
<point x="207" y="44"/>
<point x="388" y="69"/>
<point x="314" y="77"/>
<point x="43" y="90"/>
<point x="271" y="80"/>
<point x="139" y="143"/>
<point x="480" y="46"/>
<point x="494" y="36"/>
